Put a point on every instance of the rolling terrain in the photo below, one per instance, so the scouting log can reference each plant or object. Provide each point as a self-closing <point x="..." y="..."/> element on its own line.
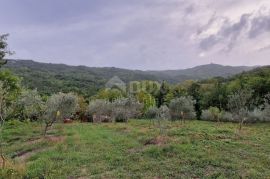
<point x="51" y="78"/>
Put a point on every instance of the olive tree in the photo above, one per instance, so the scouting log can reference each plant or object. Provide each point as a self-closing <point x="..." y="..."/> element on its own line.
<point x="239" y="103"/>
<point x="163" y="115"/>
<point x="182" y="108"/>
<point x="99" y="107"/>
<point x="58" y="107"/>
<point x="213" y="114"/>
<point x="126" y="108"/>
<point x="152" y="114"/>
<point x="31" y="103"/>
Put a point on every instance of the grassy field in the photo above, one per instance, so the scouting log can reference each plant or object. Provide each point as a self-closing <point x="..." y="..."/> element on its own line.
<point x="137" y="149"/>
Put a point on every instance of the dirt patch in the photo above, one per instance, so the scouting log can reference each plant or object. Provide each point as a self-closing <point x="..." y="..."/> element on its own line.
<point x="50" y="138"/>
<point x="14" y="140"/>
<point x="55" y="139"/>
<point x="160" y="140"/>
<point x="21" y="153"/>
<point x="24" y="155"/>
<point x="34" y="141"/>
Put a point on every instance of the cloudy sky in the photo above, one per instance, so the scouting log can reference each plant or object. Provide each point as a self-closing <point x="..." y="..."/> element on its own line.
<point x="139" y="34"/>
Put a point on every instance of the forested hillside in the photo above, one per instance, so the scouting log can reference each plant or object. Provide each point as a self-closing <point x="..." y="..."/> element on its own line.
<point x="52" y="78"/>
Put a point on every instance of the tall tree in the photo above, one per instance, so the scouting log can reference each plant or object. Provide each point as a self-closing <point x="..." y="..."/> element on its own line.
<point x="3" y="111"/>
<point x="163" y="91"/>
<point x="3" y="49"/>
<point x="194" y="91"/>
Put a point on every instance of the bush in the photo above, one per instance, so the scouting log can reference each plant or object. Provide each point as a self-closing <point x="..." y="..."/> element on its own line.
<point x="99" y="107"/>
<point x="212" y="114"/>
<point x="226" y="116"/>
<point x="31" y="104"/>
<point x="266" y="110"/>
<point x="126" y="108"/>
<point x="182" y="108"/>
<point x="206" y="115"/>
<point x="164" y="113"/>
<point x="152" y="113"/>
<point x="120" y="115"/>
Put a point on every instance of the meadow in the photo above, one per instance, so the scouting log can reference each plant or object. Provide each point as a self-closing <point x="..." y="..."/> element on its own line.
<point x="137" y="149"/>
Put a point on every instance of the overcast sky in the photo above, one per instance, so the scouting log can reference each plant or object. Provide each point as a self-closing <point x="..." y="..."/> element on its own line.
<point x="139" y="34"/>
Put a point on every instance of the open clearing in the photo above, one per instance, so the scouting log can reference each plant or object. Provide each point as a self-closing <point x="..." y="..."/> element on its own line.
<point x="136" y="149"/>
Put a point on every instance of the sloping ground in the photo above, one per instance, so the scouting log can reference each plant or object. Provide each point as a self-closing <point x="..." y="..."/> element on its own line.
<point x="137" y="149"/>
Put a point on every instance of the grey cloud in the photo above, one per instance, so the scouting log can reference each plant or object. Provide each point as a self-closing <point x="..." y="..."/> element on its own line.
<point x="138" y="34"/>
<point x="259" y="25"/>
<point x="229" y="33"/>
<point x="209" y="42"/>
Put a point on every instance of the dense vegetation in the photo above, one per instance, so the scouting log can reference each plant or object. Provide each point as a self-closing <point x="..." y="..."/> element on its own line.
<point x="52" y="78"/>
<point x="45" y="96"/>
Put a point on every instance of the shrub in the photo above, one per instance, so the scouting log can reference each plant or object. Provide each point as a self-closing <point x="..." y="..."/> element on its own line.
<point x="31" y="104"/>
<point x="182" y="108"/>
<point x="152" y="113"/>
<point x="226" y="116"/>
<point x="266" y="110"/>
<point x="99" y="107"/>
<point x="212" y="114"/>
<point x="126" y="108"/>
<point x="162" y="116"/>
<point x="256" y="115"/>
<point x="266" y="113"/>
<point x="206" y="115"/>
<point x="164" y="113"/>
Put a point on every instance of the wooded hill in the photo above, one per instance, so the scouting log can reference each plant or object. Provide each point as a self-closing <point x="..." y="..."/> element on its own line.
<point x="51" y="78"/>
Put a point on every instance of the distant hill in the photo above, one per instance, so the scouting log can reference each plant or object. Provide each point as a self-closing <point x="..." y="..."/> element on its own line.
<point x="201" y="72"/>
<point x="50" y="78"/>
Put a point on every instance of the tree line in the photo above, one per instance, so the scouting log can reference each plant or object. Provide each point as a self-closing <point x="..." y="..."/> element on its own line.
<point x="241" y="98"/>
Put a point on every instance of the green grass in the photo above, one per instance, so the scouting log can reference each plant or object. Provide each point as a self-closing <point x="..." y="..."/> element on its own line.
<point x="196" y="149"/>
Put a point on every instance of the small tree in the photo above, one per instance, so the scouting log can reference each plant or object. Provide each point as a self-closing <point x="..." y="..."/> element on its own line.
<point x="182" y="108"/>
<point x="162" y="116"/>
<point x="212" y="114"/>
<point x="58" y="107"/>
<point x="238" y="103"/>
<point x="82" y="109"/>
<point x="99" y="107"/>
<point x="126" y="108"/>
<point x="32" y="104"/>
<point x="152" y="114"/>
<point x="215" y="113"/>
